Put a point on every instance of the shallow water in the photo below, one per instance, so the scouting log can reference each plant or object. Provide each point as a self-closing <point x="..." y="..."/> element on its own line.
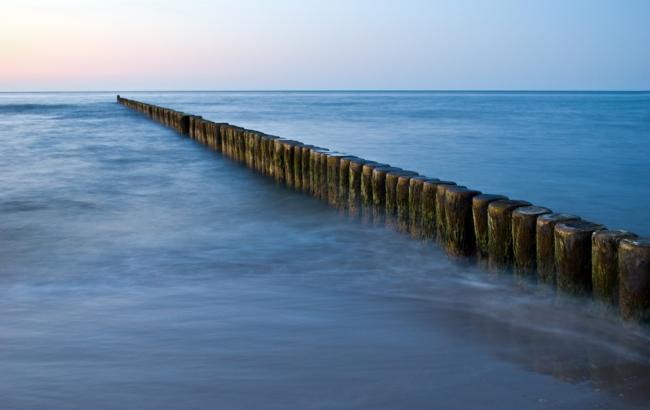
<point x="141" y="270"/>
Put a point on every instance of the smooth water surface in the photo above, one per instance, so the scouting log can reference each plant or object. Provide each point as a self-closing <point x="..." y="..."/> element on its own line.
<point x="140" y="270"/>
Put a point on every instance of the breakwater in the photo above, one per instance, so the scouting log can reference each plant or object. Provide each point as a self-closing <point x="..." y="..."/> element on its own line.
<point x="567" y="253"/>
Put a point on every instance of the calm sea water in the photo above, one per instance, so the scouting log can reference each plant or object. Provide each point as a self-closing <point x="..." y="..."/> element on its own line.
<point x="140" y="270"/>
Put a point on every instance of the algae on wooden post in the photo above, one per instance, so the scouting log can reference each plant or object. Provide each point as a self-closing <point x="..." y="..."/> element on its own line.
<point x="573" y="256"/>
<point x="500" y="254"/>
<point x="415" y="206"/>
<point x="545" y="244"/>
<point x="480" y="219"/>
<point x="402" y="199"/>
<point x="354" y="185"/>
<point x="428" y="211"/>
<point x="459" y="225"/>
<point x="634" y="275"/>
<point x="604" y="264"/>
<point x="305" y="155"/>
<point x="344" y="181"/>
<point x="441" y="221"/>
<point x="524" y="234"/>
<point x="297" y="166"/>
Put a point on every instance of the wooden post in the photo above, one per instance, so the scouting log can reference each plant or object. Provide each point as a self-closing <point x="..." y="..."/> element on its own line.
<point x="415" y="206"/>
<point x="545" y="243"/>
<point x="441" y="219"/>
<point x="634" y="271"/>
<point x="524" y="234"/>
<point x="604" y="264"/>
<point x="480" y="218"/>
<point x="366" y="183"/>
<point x="459" y="226"/>
<point x="573" y="256"/>
<point x="392" y="177"/>
<point x="355" y="185"/>
<point x="278" y="160"/>
<point x="402" y="199"/>
<point x="378" y="183"/>
<point x="344" y="182"/>
<point x="428" y="211"/>
<point x="333" y="176"/>
<point x="305" y="155"/>
<point x="297" y="165"/>
<point x="500" y="254"/>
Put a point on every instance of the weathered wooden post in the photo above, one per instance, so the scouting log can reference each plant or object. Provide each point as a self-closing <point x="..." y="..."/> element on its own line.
<point x="459" y="225"/>
<point x="378" y="183"/>
<point x="634" y="275"/>
<point x="573" y="256"/>
<point x="524" y="234"/>
<point x="392" y="177"/>
<point x="354" y="184"/>
<point x="480" y="218"/>
<point x="441" y="219"/>
<point x="333" y="176"/>
<point x="305" y="156"/>
<point x="500" y="254"/>
<point x="415" y="206"/>
<point x="604" y="264"/>
<point x="278" y="160"/>
<point x="367" y="170"/>
<point x="318" y="168"/>
<point x="428" y="211"/>
<point x="297" y="165"/>
<point x="545" y="243"/>
<point x="402" y="198"/>
<point x="185" y="124"/>
<point x="287" y="161"/>
<point x="344" y="182"/>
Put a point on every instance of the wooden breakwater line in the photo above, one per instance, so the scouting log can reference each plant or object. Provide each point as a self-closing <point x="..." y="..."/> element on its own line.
<point x="570" y="254"/>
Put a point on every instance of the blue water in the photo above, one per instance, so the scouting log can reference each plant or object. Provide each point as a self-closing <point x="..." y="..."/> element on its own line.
<point x="138" y="269"/>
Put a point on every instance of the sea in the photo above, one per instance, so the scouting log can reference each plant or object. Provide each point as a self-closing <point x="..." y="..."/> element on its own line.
<point x="139" y="269"/>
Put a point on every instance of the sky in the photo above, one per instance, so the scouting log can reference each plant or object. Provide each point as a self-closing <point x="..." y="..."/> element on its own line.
<point x="328" y="44"/>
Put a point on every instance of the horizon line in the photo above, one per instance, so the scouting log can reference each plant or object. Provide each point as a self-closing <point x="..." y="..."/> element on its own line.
<point x="335" y="90"/>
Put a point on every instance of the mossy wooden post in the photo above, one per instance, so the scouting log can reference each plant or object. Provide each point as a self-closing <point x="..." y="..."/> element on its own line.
<point x="545" y="243"/>
<point x="344" y="182"/>
<point x="378" y="184"/>
<point x="428" y="211"/>
<point x="333" y="175"/>
<point x="297" y="166"/>
<point x="278" y="160"/>
<point x="305" y="156"/>
<point x="392" y="177"/>
<point x="604" y="264"/>
<point x="185" y="124"/>
<point x="415" y="206"/>
<point x="402" y="199"/>
<point x="573" y="256"/>
<point x="459" y="225"/>
<point x="500" y="254"/>
<point x="480" y="205"/>
<point x="324" y="192"/>
<point x="524" y="234"/>
<point x="268" y="147"/>
<point x="318" y="172"/>
<point x="354" y="185"/>
<point x="634" y="277"/>
<point x="258" y="152"/>
<point x="366" y="184"/>
<point x="287" y="161"/>
<point x="441" y="221"/>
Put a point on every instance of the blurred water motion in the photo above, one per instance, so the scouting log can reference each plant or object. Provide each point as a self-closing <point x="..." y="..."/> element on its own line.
<point x="140" y="270"/>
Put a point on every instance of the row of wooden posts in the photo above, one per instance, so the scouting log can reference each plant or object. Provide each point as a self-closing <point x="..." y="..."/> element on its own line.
<point x="573" y="255"/>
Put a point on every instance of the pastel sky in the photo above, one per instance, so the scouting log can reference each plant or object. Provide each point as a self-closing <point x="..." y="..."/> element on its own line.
<point x="328" y="44"/>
